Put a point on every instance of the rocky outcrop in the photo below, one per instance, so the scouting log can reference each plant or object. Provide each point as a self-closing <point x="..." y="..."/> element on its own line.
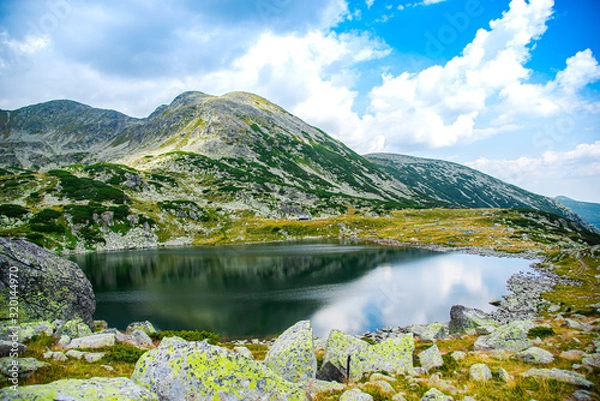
<point x="49" y="287"/>
<point x="180" y="370"/>
<point x="464" y="320"/>
<point x="94" y="341"/>
<point x="292" y="356"/>
<point x="512" y="337"/>
<point x="564" y="376"/>
<point x="121" y="389"/>
<point x="431" y="358"/>
<point x="535" y="355"/>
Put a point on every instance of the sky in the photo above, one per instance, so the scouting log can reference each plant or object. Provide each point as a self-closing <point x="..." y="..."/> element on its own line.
<point x="511" y="88"/>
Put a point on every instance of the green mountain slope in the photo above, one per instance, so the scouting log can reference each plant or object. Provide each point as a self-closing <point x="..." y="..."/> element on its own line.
<point x="587" y="210"/>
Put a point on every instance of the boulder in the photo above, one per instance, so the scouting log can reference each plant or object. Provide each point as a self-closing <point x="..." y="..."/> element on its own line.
<point x="574" y="324"/>
<point x="431" y="358"/>
<point x="140" y="339"/>
<point x="564" y="376"/>
<point x="97" y="388"/>
<point x="434" y="331"/>
<point x="381" y="386"/>
<point x="244" y="352"/>
<point x="512" y="337"/>
<point x="355" y="395"/>
<point x="292" y="356"/>
<point x="74" y="328"/>
<point x="535" y="355"/>
<point x="26" y="331"/>
<point x="436" y="395"/>
<point x="94" y="341"/>
<point x="50" y="287"/>
<point x="331" y="373"/>
<point x="9" y="347"/>
<point x="393" y="355"/>
<point x="146" y="327"/>
<point x="180" y="370"/>
<point x="504" y="376"/>
<point x="458" y="355"/>
<point x="480" y="372"/>
<point x="25" y="367"/>
<point x="57" y="356"/>
<point x="467" y="320"/>
<point x="572" y="355"/>
<point x="314" y="387"/>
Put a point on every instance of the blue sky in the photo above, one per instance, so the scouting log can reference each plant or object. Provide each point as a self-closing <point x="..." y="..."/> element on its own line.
<point x="508" y="87"/>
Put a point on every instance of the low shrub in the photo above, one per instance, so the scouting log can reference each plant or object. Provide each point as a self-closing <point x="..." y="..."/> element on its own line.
<point x="188" y="335"/>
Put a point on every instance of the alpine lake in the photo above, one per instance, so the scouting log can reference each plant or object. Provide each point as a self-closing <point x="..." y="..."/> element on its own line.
<point x="261" y="290"/>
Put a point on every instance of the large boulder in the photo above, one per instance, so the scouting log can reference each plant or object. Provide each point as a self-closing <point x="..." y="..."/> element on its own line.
<point x="49" y="287"/>
<point x="564" y="376"/>
<point x="98" y="388"/>
<point x="394" y="355"/>
<point x="23" y="367"/>
<point x="535" y="355"/>
<point x="181" y="370"/>
<point x="74" y="329"/>
<point x="512" y="337"/>
<point x="468" y="320"/>
<point x="431" y="358"/>
<point x="480" y="372"/>
<point x="94" y="341"/>
<point x="25" y="331"/>
<point x="292" y="356"/>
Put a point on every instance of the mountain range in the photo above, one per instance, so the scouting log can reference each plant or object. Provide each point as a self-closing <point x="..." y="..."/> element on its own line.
<point x="202" y="157"/>
<point x="588" y="210"/>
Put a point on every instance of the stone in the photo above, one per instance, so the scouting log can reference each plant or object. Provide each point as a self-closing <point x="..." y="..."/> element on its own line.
<point x="504" y="376"/>
<point x="57" y="356"/>
<point x="554" y="308"/>
<point x="315" y="387"/>
<point x="436" y="381"/>
<point x="244" y="352"/>
<point x="591" y="361"/>
<point x="574" y="324"/>
<point x="535" y="355"/>
<point x="355" y="395"/>
<point x="8" y="347"/>
<point x="564" y="376"/>
<point x="98" y="388"/>
<point x="571" y="355"/>
<point x="26" y="331"/>
<point x="146" y="327"/>
<point x="91" y="357"/>
<point x="382" y="386"/>
<point x="331" y="373"/>
<point x="399" y="397"/>
<point x="292" y="356"/>
<point x="74" y="328"/>
<point x="436" y="395"/>
<point x="465" y="320"/>
<point x="180" y="370"/>
<point x="434" y="331"/>
<point x="431" y="358"/>
<point x="64" y="341"/>
<point x="512" y="337"/>
<point x="458" y="355"/>
<point x="380" y="376"/>
<point x="583" y="395"/>
<point x="467" y="398"/>
<point x="480" y="372"/>
<point x="140" y="339"/>
<point x="75" y="354"/>
<point x="94" y="341"/>
<point x="50" y="287"/>
<point x="100" y="325"/>
<point x="25" y="366"/>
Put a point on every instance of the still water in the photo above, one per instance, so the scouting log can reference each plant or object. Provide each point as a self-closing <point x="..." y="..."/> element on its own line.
<point x="260" y="290"/>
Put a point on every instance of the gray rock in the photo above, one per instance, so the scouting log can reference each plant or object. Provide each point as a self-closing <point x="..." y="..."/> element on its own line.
<point x="355" y="395"/>
<point x="572" y="355"/>
<point x="504" y="376"/>
<point x="436" y="395"/>
<point x="121" y="389"/>
<point x="331" y="373"/>
<point x="146" y="327"/>
<point x="50" y="287"/>
<point x="64" y="341"/>
<point x="141" y="340"/>
<point x="431" y="358"/>
<point x="592" y="361"/>
<point x="512" y="337"/>
<point x="73" y="354"/>
<point x="180" y="370"/>
<point x="480" y="372"/>
<point x="57" y="356"/>
<point x="94" y="341"/>
<point x="554" y="308"/>
<point x="381" y="386"/>
<point x="574" y="324"/>
<point x="8" y="347"/>
<point x="25" y="367"/>
<point x="436" y="381"/>
<point x="244" y="352"/>
<point x="564" y="376"/>
<point x="535" y="355"/>
<point x="380" y="376"/>
<point x="74" y="328"/>
<point x="26" y="331"/>
<point x="458" y="355"/>
<point x="463" y="319"/>
<point x="292" y="356"/>
<point x="434" y="331"/>
<point x="583" y="395"/>
<point x="91" y="357"/>
<point x="315" y="387"/>
<point x="399" y="397"/>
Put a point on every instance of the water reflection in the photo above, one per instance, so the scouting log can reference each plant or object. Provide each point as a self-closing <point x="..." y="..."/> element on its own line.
<point x="263" y="289"/>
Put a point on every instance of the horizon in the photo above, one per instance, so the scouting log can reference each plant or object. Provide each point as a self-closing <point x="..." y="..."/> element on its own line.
<point x="509" y="88"/>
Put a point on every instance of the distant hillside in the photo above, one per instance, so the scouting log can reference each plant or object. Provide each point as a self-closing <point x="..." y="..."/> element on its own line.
<point x="587" y="210"/>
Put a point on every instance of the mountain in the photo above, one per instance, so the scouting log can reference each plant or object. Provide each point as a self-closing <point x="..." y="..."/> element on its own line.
<point x="587" y="210"/>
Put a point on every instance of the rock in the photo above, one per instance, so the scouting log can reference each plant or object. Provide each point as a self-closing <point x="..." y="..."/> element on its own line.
<point x="8" y="347"/>
<point x="108" y="367"/>
<point x="64" y="341"/>
<point x="25" y="367"/>
<point x="100" y="325"/>
<point x="331" y="373"/>
<point x="244" y="352"/>
<point x="141" y="340"/>
<point x="571" y="355"/>
<point x="355" y="395"/>
<point x="464" y="320"/>
<point x="146" y="327"/>
<point x="535" y="355"/>
<point x="75" y="354"/>
<point x="554" y="308"/>
<point x="74" y="328"/>
<point x="458" y="355"/>
<point x="381" y="386"/>
<point x="512" y="337"/>
<point x="436" y="395"/>
<point x="98" y="388"/>
<point x="467" y="398"/>
<point x="564" y="376"/>
<point x="583" y="395"/>
<point x="50" y="287"/>
<point x="504" y="376"/>
<point x="480" y="372"/>
<point x="574" y="324"/>
<point x="431" y="358"/>
<point x="592" y="361"/>
<point x="26" y="331"/>
<point x="180" y="370"/>
<point x="380" y="376"/>
<point x="292" y="356"/>
<point x="94" y="341"/>
<point x="399" y="397"/>
<point x="91" y="357"/>
<point x="436" y="381"/>
<point x="393" y="355"/>
<point x="501" y="355"/>
<point x="315" y="387"/>
<point x="57" y="356"/>
<point x="434" y="331"/>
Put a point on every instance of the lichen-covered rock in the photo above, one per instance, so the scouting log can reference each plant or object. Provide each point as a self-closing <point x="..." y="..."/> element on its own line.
<point x="8" y="347"/>
<point x="504" y="376"/>
<point x="572" y="355"/>
<point x="480" y="372"/>
<point x="57" y="356"/>
<point x="74" y="328"/>
<point x="140" y="339"/>
<point x="94" y="389"/>
<point x="381" y="386"/>
<point x="94" y="341"/>
<point x="431" y="358"/>
<point x="26" y="331"/>
<point x="23" y="366"/>
<point x="50" y="287"/>
<point x="577" y="325"/>
<point x="181" y="370"/>
<point x="564" y="376"/>
<point x="355" y="395"/>
<point x="292" y="356"/>
<point x="393" y="355"/>
<point x="380" y="376"/>
<point x="434" y="331"/>
<point x="146" y="327"/>
<point x="535" y="355"/>
<point x="436" y="395"/>
<point x="458" y="355"/>
<point x="244" y="352"/>
<point x="467" y="320"/>
<point x="512" y="337"/>
<point x="314" y="387"/>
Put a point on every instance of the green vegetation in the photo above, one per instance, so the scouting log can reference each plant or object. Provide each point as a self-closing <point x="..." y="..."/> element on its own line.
<point x="78" y="189"/>
<point x="15" y="211"/>
<point x="541" y="332"/>
<point x="188" y="335"/>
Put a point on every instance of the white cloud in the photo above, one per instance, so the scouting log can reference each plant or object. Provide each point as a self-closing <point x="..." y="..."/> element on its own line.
<point x="420" y="3"/>
<point x="369" y="3"/>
